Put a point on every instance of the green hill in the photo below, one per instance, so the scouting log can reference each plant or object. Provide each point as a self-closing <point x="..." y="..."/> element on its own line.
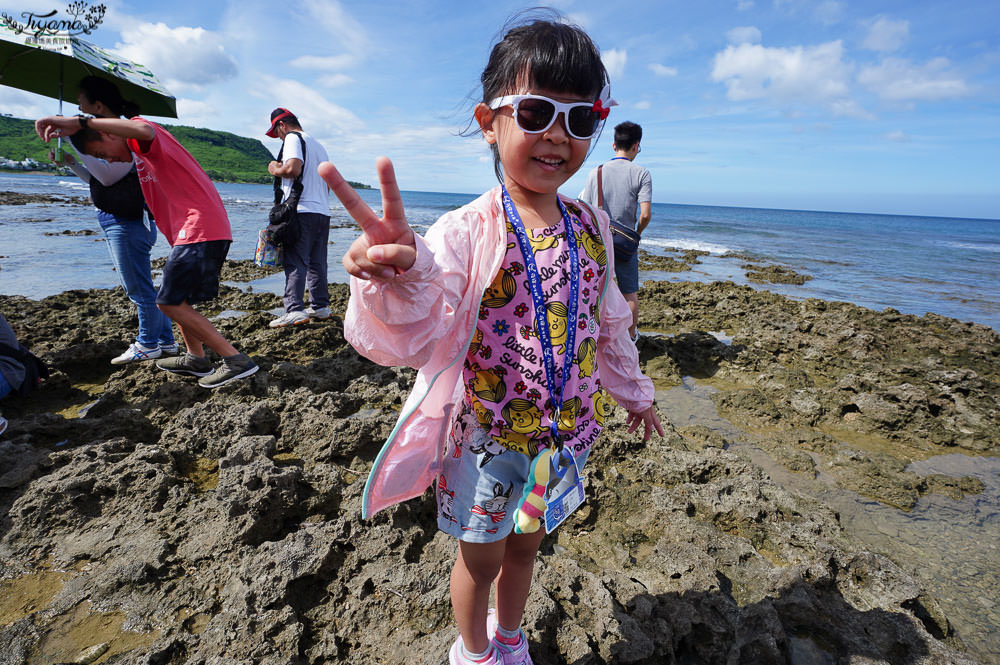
<point x="225" y="157"/>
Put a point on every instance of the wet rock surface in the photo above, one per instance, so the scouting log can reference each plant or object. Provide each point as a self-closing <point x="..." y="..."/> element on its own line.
<point x="773" y="274"/>
<point x="17" y="198"/>
<point x="171" y="524"/>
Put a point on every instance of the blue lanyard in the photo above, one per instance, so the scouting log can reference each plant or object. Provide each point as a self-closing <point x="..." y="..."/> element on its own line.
<point x="541" y="316"/>
<point x="614" y="158"/>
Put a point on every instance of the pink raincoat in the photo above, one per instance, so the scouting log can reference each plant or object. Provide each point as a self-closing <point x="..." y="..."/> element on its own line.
<point x="425" y="318"/>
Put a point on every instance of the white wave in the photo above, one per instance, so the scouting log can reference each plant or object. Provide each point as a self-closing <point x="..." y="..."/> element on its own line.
<point x="77" y="185"/>
<point x="979" y="247"/>
<point x="685" y="243"/>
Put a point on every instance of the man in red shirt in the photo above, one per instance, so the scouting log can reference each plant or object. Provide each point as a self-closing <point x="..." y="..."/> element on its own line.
<point x="189" y="212"/>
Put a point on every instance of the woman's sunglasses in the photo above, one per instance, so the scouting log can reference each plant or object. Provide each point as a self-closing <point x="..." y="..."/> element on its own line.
<point x="534" y="114"/>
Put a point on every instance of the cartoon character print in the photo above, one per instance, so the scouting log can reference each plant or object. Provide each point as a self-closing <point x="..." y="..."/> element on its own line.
<point x="567" y="413"/>
<point x="483" y="415"/>
<point x="495" y="508"/>
<point x="476" y="344"/>
<point x="594" y="248"/>
<point x="586" y="357"/>
<point x="500" y="292"/>
<point x="523" y="420"/>
<point x="489" y="386"/>
<point x="602" y="407"/>
<point x="542" y="242"/>
<point x="464" y="425"/>
<point x="558" y="315"/>
<point x="446" y="500"/>
<point x="489" y="449"/>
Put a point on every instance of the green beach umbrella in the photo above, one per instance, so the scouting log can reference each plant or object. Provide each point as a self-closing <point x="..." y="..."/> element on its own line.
<point x="52" y="65"/>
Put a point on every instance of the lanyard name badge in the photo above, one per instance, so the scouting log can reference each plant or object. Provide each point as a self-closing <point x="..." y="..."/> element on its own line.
<point x="565" y="491"/>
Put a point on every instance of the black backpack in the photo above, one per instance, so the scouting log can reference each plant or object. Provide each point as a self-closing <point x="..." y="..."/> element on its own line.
<point x="122" y="199"/>
<point x="34" y="369"/>
<point x="284" y="217"/>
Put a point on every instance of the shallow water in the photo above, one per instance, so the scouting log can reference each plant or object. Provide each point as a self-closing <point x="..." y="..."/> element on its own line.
<point x="951" y="547"/>
<point x="914" y="264"/>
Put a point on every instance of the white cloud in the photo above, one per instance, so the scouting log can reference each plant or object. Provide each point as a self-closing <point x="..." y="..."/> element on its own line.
<point x="197" y="113"/>
<point x="804" y="73"/>
<point x="180" y="57"/>
<point x="344" y="30"/>
<point x="644" y="105"/>
<point x="746" y="34"/>
<point x="662" y="70"/>
<point x="330" y="62"/>
<point x="886" y="35"/>
<point x="829" y="12"/>
<point x="614" y="62"/>
<point x="21" y="104"/>
<point x="899" y="80"/>
<point x="336" y="80"/>
<point x="744" y="5"/>
<point x="898" y="136"/>
<point x="319" y="116"/>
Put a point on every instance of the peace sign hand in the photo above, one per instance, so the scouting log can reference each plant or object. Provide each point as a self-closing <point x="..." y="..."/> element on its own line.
<point x="386" y="246"/>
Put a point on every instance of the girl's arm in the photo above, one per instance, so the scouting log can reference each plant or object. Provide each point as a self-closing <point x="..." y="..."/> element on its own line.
<point x="106" y="173"/>
<point x="618" y="357"/>
<point x="402" y="301"/>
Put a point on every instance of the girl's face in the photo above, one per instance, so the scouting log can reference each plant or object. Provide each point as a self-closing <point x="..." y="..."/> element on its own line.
<point x="534" y="163"/>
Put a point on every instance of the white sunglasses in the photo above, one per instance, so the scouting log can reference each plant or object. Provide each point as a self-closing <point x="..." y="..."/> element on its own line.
<point x="534" y="114"/>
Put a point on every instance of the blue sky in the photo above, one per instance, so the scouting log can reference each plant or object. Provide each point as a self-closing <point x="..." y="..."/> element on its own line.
<point x="881" y="106"/>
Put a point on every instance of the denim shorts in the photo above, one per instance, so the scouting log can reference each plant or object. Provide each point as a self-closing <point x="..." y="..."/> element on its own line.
<point x="191" y="273"/>
<point x="481" y="484"/>
<point x="627" y="274"/>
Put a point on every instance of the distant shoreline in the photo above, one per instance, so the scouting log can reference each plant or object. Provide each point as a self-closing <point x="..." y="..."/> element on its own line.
<point x="355" y="185"/>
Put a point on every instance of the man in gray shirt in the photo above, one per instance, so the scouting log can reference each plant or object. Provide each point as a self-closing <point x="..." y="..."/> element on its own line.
<point x="626" y="186"/>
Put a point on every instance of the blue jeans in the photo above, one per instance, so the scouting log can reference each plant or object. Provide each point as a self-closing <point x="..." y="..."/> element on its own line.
<point x="129" y="243"/>
<point x="305" y="264"/>
<point x="5" y="387"/>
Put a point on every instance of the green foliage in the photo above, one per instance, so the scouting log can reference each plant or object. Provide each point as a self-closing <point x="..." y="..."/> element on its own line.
<point x="225" y="157"/>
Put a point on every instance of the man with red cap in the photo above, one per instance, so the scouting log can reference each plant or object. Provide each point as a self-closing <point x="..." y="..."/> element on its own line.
<point x="305" y="260"/>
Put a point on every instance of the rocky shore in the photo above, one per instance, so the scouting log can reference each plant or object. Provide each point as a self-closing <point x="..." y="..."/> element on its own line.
<point x="144" y="520"/>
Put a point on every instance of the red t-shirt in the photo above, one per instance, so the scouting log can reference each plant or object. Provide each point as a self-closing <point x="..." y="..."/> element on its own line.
<point x="184" y="202"/>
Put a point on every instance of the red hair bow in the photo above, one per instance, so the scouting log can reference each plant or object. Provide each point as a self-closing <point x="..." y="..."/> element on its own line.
<point x="602" y="109"/>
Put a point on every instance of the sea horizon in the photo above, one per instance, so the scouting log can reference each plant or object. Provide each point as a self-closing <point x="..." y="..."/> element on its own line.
<point x="912" y="263"/>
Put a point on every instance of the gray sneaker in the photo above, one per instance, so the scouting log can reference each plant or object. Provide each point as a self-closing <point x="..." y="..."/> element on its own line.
<point x="229" y="370"/>
<point x="186" y="364"/>
<point x="321" y="314"/>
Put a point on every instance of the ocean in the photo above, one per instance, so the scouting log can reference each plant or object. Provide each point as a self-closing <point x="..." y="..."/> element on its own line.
<point x="913" y="264"/>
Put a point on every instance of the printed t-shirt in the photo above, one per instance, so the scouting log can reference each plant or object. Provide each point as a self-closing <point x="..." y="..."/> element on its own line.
<point x="185" y="204"/>
<point x="504" y="372"/>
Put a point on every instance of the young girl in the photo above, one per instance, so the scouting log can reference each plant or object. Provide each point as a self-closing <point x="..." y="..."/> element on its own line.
<point x="501" y="306"/>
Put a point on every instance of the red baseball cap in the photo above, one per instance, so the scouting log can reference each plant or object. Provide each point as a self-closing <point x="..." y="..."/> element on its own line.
<point x="277" y="115"/>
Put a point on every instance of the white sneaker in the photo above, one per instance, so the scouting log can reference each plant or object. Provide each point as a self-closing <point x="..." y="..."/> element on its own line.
<point x="170" y="349"/>
<point x="289" y="319"/>
<point x="321" y="314"/>
<point x="3" y="424"/>
<point x="137" y="351"/>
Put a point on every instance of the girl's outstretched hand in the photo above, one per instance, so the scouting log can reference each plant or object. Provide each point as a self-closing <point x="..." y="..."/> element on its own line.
<point x="648" y="418"/>
<point x="386" y="246"/>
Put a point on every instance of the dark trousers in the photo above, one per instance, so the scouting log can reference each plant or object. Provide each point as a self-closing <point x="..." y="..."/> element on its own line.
<point x="305" y="264"/>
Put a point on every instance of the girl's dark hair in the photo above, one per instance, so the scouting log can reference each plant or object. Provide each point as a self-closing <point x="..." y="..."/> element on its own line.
<point x="545" y="53"/>
<point x="97" y="89"/>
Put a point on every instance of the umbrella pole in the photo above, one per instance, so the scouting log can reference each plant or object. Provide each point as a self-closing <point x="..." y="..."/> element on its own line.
<point x="59" y="148"/>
